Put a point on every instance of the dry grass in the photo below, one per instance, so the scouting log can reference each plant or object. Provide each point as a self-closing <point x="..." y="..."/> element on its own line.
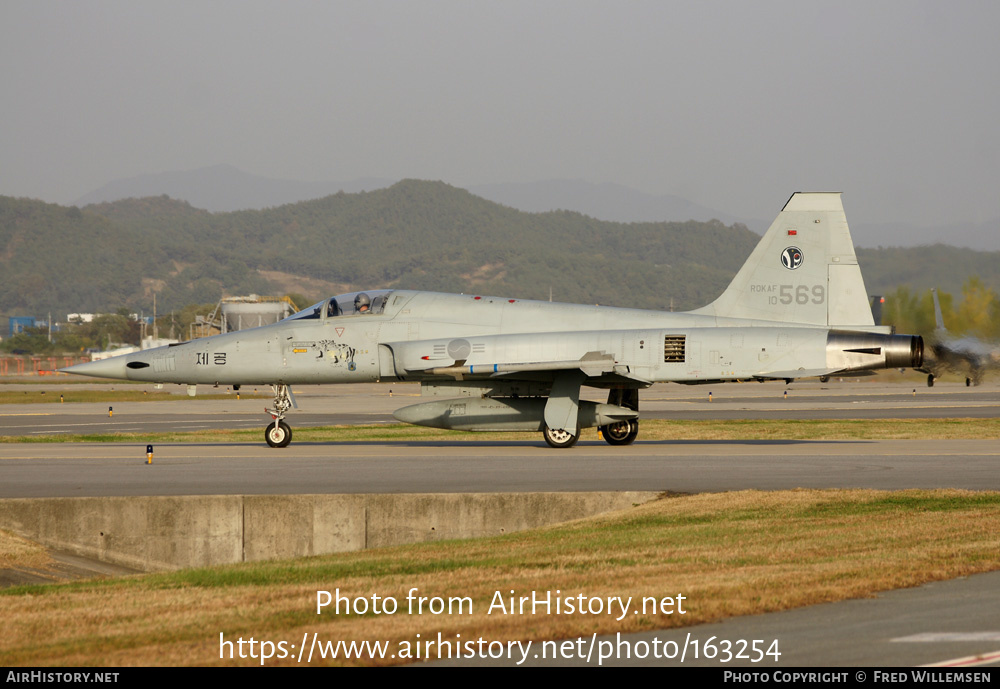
<point x="18" y="553"/>
<point x="833" y="429"/>
<point x="728" y="554"/>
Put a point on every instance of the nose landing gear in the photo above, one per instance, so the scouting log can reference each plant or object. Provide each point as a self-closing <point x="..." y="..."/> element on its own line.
<point x="278" y="433"/>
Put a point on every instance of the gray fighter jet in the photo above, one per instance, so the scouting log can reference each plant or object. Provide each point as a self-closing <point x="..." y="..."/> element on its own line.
<point x="967" y="355"/>
<point x="797" y="308"/>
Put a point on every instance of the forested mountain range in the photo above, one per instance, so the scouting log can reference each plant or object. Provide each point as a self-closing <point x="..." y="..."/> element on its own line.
<point x="413" y="234"/>
<point x="224" y="188"/>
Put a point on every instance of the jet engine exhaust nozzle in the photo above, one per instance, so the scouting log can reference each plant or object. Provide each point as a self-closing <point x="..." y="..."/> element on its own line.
<point x="860" y="351"/>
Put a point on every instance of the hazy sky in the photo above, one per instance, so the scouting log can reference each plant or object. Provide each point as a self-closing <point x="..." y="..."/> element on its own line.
<point x="733" y="105"/>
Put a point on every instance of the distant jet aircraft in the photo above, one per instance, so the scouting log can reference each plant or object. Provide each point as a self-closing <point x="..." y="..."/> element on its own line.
<point x="797" y="308"/>
<point x="958" y="354"/>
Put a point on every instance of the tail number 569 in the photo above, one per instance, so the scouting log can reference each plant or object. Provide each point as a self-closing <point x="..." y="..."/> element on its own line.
<point x="799" y="294"/>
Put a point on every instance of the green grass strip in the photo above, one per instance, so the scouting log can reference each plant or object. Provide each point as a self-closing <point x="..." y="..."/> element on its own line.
<point x="651" y="429"/>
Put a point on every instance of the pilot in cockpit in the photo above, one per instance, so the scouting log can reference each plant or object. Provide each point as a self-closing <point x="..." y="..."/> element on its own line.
<point x="362" y="303"/>
<point x="331" y="308"/>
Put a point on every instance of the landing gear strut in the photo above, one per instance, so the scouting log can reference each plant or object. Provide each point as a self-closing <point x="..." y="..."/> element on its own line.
<point x="562" y="410"/>
<point x="278" y="434"/>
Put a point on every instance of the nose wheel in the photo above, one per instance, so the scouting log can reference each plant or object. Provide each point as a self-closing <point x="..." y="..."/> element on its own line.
<point x="278" y="434"/>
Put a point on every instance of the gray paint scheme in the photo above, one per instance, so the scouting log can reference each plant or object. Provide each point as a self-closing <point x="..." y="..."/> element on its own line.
<point x="797" y="308"/>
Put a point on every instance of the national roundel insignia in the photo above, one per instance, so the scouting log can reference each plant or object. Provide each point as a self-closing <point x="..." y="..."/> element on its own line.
<point x="791" y="257"/>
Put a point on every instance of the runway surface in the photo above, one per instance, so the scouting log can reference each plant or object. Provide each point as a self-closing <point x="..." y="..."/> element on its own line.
<point x="71" y="469"/>
<point x="372" y="403"/>
<point x="68" y="470"/>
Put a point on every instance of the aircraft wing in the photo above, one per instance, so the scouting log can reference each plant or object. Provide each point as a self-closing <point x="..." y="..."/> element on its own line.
<point x="463" y="361"/>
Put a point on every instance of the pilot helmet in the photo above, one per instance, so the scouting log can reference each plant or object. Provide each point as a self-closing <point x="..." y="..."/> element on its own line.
<point x="362" y="303"/>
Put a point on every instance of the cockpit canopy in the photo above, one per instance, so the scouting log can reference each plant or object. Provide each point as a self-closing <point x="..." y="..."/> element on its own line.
<point x="367" y="303"/>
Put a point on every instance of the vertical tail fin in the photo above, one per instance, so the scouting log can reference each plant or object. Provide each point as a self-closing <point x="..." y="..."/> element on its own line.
<point x="938" y="318"/>
<point x="804" y="270"/>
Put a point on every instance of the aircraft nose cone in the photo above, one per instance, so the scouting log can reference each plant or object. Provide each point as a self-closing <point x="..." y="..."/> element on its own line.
<point x="113" y="367"/>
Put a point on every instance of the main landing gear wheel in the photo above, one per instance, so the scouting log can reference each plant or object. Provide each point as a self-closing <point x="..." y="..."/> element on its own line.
<point x="560" y="438"/>
<point x="621" y="433"/>
<point x="930" y="380"/>
<point x="278" y="434"/>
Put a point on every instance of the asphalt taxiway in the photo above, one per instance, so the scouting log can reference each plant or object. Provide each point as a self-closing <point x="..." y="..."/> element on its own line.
<point x="99" y="469"/>
<point x="95" y="469"/>
<point x="373" y="404"/>
<point x="943" y="623"/>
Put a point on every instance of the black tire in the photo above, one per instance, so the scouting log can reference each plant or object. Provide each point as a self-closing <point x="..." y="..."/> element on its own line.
<point x="968" y="382"/>
<point x="930" y="380"/>
<point x="278" y="434"/>
<point x="560" y="438"/>
<point x="621" y="433"/>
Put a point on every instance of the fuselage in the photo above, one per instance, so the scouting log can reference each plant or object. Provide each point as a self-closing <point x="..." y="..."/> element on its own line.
<point x="418" y="335"/>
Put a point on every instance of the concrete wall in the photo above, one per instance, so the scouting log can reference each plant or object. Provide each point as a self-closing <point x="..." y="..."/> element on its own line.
<point x="156" y="533"/>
